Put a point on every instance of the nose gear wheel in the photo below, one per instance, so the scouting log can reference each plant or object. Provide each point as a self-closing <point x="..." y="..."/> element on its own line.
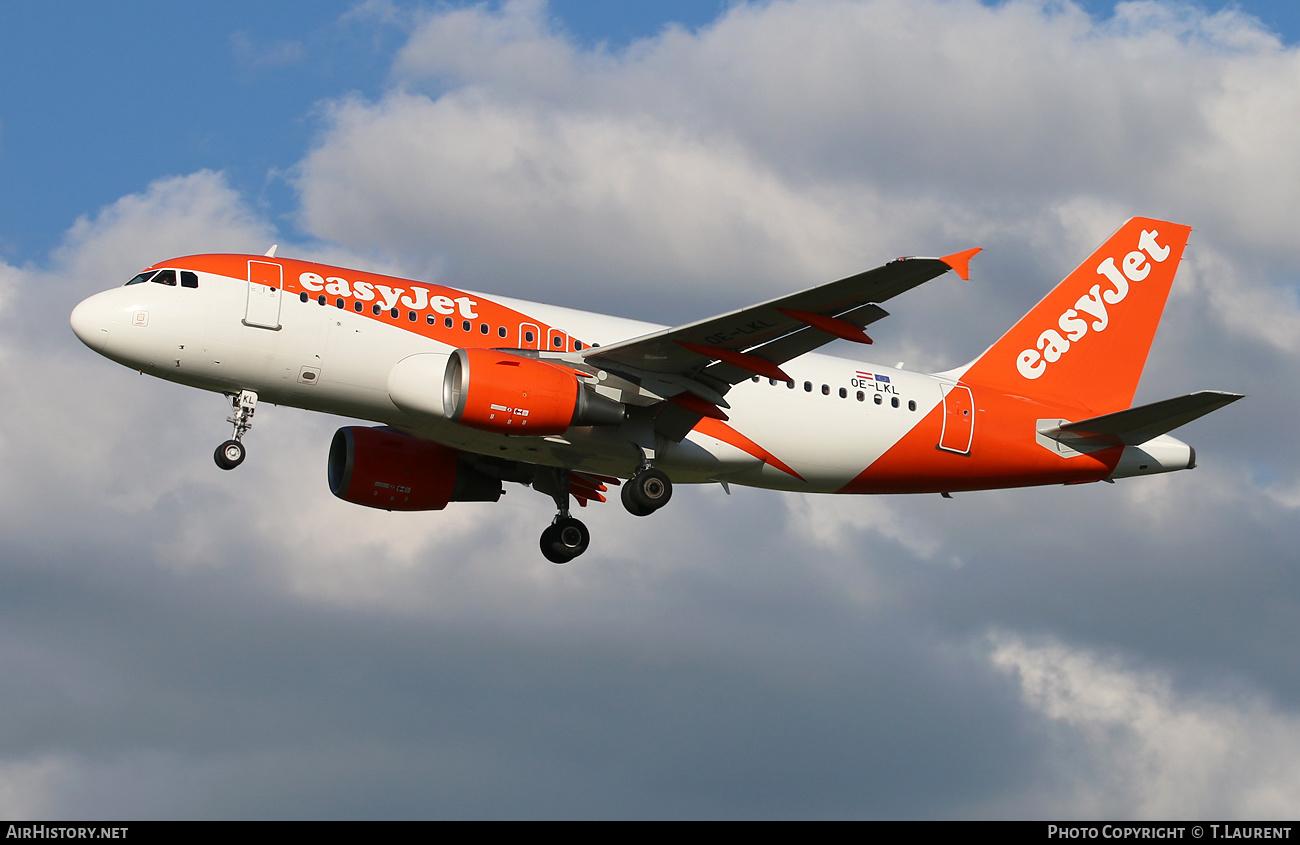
<point x="229" y="454"/>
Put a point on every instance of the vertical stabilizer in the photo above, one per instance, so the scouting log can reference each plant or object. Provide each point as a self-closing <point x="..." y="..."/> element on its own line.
<point x="1086" y="343"/>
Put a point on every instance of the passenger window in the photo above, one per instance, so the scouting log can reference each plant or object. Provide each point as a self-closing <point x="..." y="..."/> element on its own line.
<point x="528" y="337"/>
<point x="893" y="401"/>
<point x="844" y="394"/>
<point x="430" y="319"/>
<point x="911" y="404"/>
<point x="410" y="315"/>
<point x="448" y="322"/>
<point x="143" y="277"/>
<point x="189" y="280"/>
<point x="807" y="387"/>
<point x="577" y="344"/>
<point x="558" y="343"/>
<point x="877" y="399"/>
<point x="374" y="309"/>
<point x="482" y="328"/>
<point x="303" y="296"/>
<point x="861" y="396"/>
<point x="321" y="299"/>
<point x="826" y="390"/>
<point x="165" y="277"/>
<point x="358" y="307"/>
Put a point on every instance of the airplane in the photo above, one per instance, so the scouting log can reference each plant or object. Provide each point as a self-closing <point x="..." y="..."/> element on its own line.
<point x="472" y="391"/>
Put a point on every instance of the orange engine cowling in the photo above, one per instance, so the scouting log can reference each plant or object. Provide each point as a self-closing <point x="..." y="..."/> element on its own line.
<point x="383" y="468"/>
<point x="509" y="394"/>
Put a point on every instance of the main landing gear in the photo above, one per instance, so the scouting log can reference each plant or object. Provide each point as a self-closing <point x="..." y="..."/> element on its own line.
<point x="644" y="493"/>
<point x="647" y="491"/>
<point x="566" y="537"/>
<point x="231" y="453"/>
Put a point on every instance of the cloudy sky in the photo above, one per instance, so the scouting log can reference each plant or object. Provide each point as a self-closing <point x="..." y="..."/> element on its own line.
<point x="176" y="641"/>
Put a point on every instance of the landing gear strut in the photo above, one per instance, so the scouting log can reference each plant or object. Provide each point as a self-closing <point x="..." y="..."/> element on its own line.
<point x="231" y="453"/>
<point x="566" y="537"/>
<point x="647" y="491"/>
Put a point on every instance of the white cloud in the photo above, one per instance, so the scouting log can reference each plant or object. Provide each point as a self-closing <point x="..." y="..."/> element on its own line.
<point x="1131" y="745"/>
<point x="790" y="142"/>
<point x="27" y="787"/>
<point x="581" y="198"/>
<point x="177" y="215"/>
<point x="65" y="387"/>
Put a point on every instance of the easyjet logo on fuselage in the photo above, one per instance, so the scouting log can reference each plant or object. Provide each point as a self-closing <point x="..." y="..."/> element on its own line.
<point x="1053" y="344"/>
<point x="418" y="299"/>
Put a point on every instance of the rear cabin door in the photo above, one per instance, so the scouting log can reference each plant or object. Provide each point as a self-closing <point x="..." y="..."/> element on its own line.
<point x="958" y="419"/>
<point x="264" y="284"/>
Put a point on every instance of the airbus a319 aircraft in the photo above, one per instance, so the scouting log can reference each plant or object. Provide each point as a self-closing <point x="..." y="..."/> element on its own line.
<point x="472" y="391"/>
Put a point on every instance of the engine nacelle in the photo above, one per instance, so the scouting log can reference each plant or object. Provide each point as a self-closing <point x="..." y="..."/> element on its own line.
<point x="415" y="384"/>
<point x="509" y="394"/>
<point x="383" y="468"/>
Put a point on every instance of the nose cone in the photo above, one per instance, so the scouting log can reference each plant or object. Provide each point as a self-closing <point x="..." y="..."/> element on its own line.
<point x="90" y="323"/>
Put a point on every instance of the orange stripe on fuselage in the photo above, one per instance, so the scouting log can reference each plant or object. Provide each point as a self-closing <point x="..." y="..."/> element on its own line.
<point x="721" y="431"/>
<point x="1004" y="453"/>
<point x="415" y="298"/>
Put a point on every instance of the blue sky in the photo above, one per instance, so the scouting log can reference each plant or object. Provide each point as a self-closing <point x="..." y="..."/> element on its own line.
<point x="181" y="642"/>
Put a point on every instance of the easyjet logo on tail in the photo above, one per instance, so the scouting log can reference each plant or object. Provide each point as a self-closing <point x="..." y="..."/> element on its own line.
<point x="1089" y="312"/>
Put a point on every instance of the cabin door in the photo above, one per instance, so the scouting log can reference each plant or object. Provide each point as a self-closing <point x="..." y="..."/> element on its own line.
<point x="264" y="284"/>
<point x="958" y="419"/>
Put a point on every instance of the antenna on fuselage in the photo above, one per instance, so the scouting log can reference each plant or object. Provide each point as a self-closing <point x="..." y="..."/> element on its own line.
<point x="270" y="253"/>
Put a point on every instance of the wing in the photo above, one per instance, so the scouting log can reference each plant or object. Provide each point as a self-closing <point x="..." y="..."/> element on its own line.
<point x="704" y="358"/>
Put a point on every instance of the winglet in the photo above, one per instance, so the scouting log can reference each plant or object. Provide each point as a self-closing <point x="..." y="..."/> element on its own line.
<point x="960" y="261"/>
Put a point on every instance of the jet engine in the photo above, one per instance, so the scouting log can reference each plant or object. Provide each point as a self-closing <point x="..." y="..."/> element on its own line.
<point x="509" y="394"/>
<point x="385" y="469"/>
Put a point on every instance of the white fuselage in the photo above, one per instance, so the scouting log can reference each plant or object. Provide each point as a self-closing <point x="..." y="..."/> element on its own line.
<point x="836" y="419"/>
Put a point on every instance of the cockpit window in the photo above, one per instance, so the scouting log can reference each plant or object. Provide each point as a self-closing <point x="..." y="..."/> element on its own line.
<point x="167" y="277"/>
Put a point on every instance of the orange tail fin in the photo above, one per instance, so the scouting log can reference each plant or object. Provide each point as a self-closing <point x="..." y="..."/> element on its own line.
<point x="1086" y="343"/>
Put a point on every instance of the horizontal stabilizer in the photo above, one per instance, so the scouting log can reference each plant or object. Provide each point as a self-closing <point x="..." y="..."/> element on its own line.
<point x="1138" y="425"/>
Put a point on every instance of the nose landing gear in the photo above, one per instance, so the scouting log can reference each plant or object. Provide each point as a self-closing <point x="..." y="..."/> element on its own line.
<point x="231" y="453"/>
